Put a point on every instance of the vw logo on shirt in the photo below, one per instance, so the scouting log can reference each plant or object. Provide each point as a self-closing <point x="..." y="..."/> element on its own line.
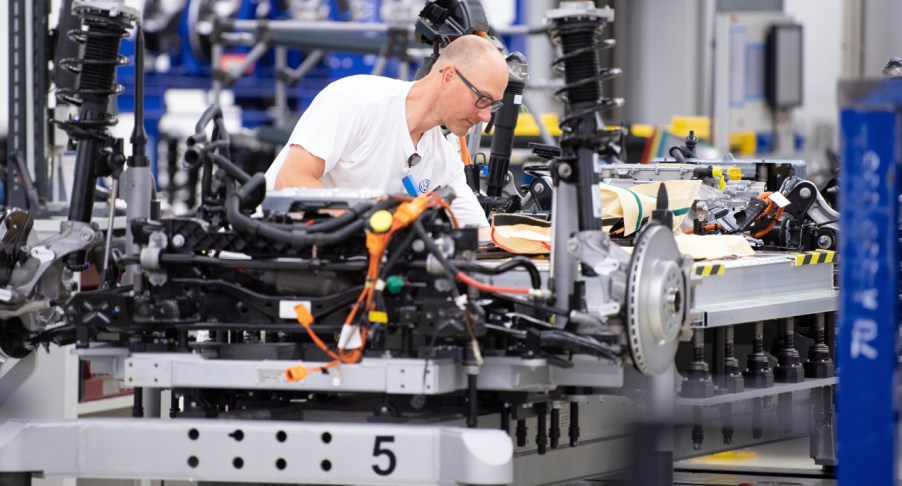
<point x="423" y="186"/>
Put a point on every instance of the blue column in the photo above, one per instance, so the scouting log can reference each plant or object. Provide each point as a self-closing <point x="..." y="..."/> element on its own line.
<point x="869" y="288"/>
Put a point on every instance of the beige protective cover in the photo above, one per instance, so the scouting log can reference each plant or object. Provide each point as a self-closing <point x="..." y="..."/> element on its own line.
<point x="637" y="202"/>
<point x="521" y="234"/>
<point x="702" y="247"/>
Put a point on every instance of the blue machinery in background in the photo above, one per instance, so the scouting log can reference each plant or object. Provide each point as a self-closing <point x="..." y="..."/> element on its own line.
<point x="867" y="415"/>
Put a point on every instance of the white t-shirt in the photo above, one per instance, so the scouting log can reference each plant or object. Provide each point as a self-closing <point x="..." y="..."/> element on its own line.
<point x="358" y="125"/>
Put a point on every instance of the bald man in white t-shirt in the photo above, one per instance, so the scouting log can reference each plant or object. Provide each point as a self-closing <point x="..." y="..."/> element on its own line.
<point x="380" y="133"/>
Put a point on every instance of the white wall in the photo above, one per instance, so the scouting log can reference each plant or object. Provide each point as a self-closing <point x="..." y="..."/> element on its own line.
<point x="822" y="25"/>
<point x="667" y="73"/>
<point x="662" y="67"/>
<point x="882" y="32"/>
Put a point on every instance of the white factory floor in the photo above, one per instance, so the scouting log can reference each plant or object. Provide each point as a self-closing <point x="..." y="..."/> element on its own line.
<point x="780" y="463"/>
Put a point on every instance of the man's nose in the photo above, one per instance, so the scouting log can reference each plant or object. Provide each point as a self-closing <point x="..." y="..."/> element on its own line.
<point x="485" y="114"/>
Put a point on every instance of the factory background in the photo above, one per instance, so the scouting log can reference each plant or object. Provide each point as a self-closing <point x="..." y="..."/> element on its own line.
<point x="688" y="68"/>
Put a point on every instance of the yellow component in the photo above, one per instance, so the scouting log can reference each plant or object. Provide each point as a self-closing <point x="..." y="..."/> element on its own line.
<point x="708" y="269"/>
<point x="813" y="257"/>
<point x="729" y="457"/>
<point x="734" y="173"/>
<point x="381" y="221"/>
<point x="379" y="316"/>
<point x="744" y="143"/>
<point x="723" y="182"/>
<point x="701" y="125"/>
<point x="642" y="130"/>
<point x="527" y="126"/>
<point x="304" y="315"/>
<point x="296" y="373"/>
<point x="716" y="171"/>
<point x="550" y="120"/>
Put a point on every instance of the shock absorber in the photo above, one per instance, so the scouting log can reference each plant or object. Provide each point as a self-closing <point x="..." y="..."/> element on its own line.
<point x="505" y="123"/>
<point x="104" y="24"/>
<point x="575" y="28"/>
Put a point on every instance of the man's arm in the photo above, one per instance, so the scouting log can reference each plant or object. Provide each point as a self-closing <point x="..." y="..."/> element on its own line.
<point x="466" y="206"/>
<point x="301" y="169"/>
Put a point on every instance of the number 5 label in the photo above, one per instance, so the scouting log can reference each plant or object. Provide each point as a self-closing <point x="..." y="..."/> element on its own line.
<point x="381" y="450"/>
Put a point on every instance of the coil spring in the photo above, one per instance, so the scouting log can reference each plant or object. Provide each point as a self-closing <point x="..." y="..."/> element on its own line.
<point x="96" y="70"/>
<point x="580" y="41"/>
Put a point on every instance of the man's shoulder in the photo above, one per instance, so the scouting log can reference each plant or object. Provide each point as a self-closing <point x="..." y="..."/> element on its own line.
<point x="365" y="87"/>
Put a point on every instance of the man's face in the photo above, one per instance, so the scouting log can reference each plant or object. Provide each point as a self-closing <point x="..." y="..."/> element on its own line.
<point x="465" y="89"/>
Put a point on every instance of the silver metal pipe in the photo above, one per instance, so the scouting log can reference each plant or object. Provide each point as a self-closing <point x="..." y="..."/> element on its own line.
<point x="547" y="139"/>
<point x="281" y="58"/>
<point x="309" y="62"/>
<point x="255" y="54"/>
<point x="474" y="140"/>
<point x="216" y="61"/>
<point x="107" y="251"/>
<point x="284" y="26"/>
<point x="564" y="224"/>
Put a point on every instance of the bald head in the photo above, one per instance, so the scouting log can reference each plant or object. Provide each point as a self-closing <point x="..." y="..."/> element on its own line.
<point x="471" y="53"/>
<point x="469" y="69"/>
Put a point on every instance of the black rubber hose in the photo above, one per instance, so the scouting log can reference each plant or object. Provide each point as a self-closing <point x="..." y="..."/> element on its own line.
<point x="570" y="340"/>
<point x="677" y="154"/>
<point x="248" y="198"/>
<point x="543" y="308"/>
<point x="199" y="129"/>
<point x="179" y="259"/>
<point x="231" y="169"/>
<point x="297" y="238"/>
<point x="534" y="277"/>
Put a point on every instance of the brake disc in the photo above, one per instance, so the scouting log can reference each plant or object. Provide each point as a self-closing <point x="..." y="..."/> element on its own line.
<point x="656" y="300"/>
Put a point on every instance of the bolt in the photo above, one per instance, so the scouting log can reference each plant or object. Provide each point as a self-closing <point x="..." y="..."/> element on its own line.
<point x="670" y="300"/>
<point x="564" y="170"/>
<point x="87" y="236"/>
<point x="824" y="241"/>
<point x="573" y="246"/>
<point x="805" y="192"/>
<point x="178" y="241"/>
<point x="539" y="188"/>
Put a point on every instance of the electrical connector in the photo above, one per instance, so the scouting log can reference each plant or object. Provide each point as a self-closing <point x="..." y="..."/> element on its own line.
<point x="296" y="373"/>
<point x="409" y="211"/>
<point x="303" y="314"/>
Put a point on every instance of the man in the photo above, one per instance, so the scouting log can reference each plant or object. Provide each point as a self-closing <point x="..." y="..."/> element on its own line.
<point x="380" y="133"/>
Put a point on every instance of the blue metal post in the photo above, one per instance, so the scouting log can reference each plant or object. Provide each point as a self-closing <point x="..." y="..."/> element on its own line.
<point x="869" y="282"/>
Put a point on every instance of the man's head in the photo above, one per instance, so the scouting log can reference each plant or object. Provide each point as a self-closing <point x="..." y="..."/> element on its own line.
<point x="472" y="75"/>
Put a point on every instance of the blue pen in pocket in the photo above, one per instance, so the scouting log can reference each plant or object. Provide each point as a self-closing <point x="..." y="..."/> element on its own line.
<point x="410" y="185"/>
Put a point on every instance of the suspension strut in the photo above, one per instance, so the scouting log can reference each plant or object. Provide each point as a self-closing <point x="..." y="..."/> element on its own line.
<point x="575" y="28"/>
<point x="97" y="154"/>
<point x="505" y="123"/>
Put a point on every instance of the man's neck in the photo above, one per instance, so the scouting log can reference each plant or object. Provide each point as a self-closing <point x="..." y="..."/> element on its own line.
<point x="418" y="110"/>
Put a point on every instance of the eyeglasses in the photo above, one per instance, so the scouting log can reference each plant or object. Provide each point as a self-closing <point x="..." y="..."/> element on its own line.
<point x="482" y="101"/>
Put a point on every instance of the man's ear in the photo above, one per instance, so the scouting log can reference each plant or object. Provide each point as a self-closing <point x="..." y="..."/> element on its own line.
<point x="447" y="74"/>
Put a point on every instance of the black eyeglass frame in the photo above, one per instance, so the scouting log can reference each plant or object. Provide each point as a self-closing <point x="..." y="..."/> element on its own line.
<point x="481" y="98"/>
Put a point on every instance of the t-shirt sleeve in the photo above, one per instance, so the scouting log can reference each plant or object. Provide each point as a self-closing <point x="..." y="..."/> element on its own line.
<point x="327" y="126"/>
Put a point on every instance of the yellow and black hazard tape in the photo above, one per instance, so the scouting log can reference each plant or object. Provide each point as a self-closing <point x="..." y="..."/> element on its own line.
<point x="708" y="269"/>
<point x="813" y="257"/>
